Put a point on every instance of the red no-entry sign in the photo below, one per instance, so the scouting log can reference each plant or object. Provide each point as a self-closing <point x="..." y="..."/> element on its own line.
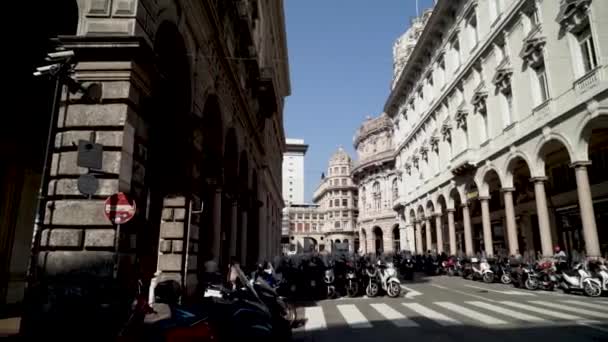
<point x="119" y="208"/>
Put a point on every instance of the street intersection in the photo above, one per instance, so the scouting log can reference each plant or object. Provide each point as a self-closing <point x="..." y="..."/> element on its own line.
<point x="453" y="309"/>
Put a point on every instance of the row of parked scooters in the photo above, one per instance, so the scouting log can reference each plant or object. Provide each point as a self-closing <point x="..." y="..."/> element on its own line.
<point x="328" y="277"/>
<point x="247" y="309"/>
<point x="589" y="277"/>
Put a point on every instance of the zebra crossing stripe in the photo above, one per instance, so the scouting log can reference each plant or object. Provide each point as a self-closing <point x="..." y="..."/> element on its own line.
<point x="396" y="317"/>
<point x="353" y="316"/>
<point x="542" y="311"/>
<point x="507" y="312"/>
<point x="571" y="309"/>
<point x="315" y="319"/>
<point x="478" y="316"/>
<point x="589" y="305"/>
<point x="433" y="315"/>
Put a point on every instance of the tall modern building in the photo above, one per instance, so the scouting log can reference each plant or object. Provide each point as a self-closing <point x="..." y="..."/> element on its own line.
<point x="293" y="171"/>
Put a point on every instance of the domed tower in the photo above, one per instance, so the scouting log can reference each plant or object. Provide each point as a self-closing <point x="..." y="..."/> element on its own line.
<point x="337" y="200"/>
<point x="378" y="186"/>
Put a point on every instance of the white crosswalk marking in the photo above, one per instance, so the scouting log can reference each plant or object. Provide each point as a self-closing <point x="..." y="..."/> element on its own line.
<point x="315" y="319"/>
<point x="353" y="316"/>
<point x="396" y="317"/>
<point x="507" y="312"/>
<point x="433" y="315"/>
<point x="571" y="309"/>
<point x="478" y="316"/>
<point x="589" y="305"/>
<point x="543" y="311"/>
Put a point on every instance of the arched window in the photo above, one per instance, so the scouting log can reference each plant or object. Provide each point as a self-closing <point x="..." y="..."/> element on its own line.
<point x="377" y="195"/>
<point x="395" y="189"/>
<point x="363" y="198"/>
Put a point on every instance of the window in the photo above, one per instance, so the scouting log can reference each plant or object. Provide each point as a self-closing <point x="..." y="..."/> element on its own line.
<point x="337" y="224"/>
<point x="321" y="216"/>
<point x="344" y="202"/>
<point x="331" y="214"/>
<point x="292" y="216"/>
<point x="306" y="227"/>
<point x="331" y="203"/>
<point x="292" y="226"/>
<point x="587" y="48"/>
<point x="343" y="170"/>
<point x="337" y="202"/>
<point x="508" y="107"/>
<point x="344" y="193"/>
<point x="456" y="51"/>
<point x="314" y="216"/>
<point x="299" y="227"/>
<point x="343" y="181"/>
<point x="345" y="214"/>
<point x="543" y="85"/>
<point x="363" y="197"/>
<point x="441" y="74"/>
<point x="307" y="216"/>
<point x="314" y="227"/>
<point x="395" y="189"/>
<point x="377" y="195"/>
<point x="472" y="25"/>
<point x="299" y="216"/>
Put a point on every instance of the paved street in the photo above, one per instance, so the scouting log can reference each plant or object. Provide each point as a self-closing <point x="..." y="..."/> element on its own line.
<point x="454" y="309"/>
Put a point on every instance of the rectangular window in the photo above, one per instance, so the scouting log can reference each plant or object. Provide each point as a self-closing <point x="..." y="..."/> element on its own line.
<point x="314" y="216"/>
<point x="587" y="46"/>
<point x="331" y="203"/>
<point x="343" y="170"/>
<point x="343" y="181"/>
<point x="299" y="227"/>
<point x="543" y="85"/>
<point x="343" y="192"/>
<point x="456" y="50"/>
<point x="306" y="227"/>
<point x="292" y="226"/>
<point x="331" y="214"/>
<point x="336" y="202"/>
<point x="307" y="216"/>
<point x="299" y="216"/>
<point x="474" y="35"/>
<point x="345" y="214"/>
<point x="321" y="216"/>
<point x="344" y="202"/>
<point x="314" y="227"/>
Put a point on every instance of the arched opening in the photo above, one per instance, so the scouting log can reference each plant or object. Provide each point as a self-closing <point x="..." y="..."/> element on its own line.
<point x="454" y="197"/>
<point x="491" y="181"/>
<point x="441" y="208"/>
<point x="396" y="239"/>
<point x="422" y="232"/>
<point x="310" y="245"/>
<point x="229" y="194"/>
<point x="378" y="240"/>
<point x="523" y="197"/>
<point x="431" y="241"/>
<point x="23" y="141"/>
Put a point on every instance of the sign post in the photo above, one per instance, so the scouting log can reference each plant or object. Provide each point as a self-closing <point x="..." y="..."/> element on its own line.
<point x="119" y="209"/>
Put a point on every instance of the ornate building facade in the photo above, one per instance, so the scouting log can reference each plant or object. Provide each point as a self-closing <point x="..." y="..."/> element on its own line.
<point x="500" y="128"/>
<point x="378" y="187"/>
<point x="190" y="124"/>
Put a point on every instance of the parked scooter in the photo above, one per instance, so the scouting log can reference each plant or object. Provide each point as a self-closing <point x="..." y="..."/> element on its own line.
<point x="579" y="279"/>
<point x="373" y="280"/>
<point x="480" y="270"/>
<point x="388" y="279"/>
<point x="352" y="280"/>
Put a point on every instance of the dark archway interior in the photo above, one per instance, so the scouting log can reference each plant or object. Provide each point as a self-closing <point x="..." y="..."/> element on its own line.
<point x="243" y="199"/>
<point x="253" y="229"/>
<point x="378" y="238"/>
<point x="229" y="193"/>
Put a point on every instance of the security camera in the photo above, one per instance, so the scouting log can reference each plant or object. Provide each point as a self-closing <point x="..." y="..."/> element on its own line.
<point x="47" y="69"/>
<point x="60" y="56"/>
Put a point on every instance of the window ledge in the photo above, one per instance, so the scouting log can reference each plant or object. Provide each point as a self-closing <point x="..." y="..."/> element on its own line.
<point x="485" y="143"/>
<point x="510" y="126"/>
<point x="542" y="108"/>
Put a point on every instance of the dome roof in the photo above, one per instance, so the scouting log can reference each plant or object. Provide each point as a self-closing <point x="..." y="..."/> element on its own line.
<point x="340" y="157"/>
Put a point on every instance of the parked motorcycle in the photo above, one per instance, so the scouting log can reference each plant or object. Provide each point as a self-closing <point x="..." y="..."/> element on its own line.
<point x="352" y="280"/>
<point x="579" y="279"/>
<point x="388" y="279"/>
<point x="373" y="280"/>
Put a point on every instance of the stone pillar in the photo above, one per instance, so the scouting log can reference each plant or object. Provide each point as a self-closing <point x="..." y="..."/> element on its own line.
<point x="452" y="231"/>
<point x="438" y="228"/>
<point x="487" y="226"/>
<point x="468" y="235"/>
<point x="543" y="216"/>
<point x="429" y="234"/>
<point x="585" y="202"/>
<point x="510" y="220"/>
<point x="403" y="238"/>
<point x="217" y="224"/>
<point x="243" y="237"/>
<point x="419" y="246"/>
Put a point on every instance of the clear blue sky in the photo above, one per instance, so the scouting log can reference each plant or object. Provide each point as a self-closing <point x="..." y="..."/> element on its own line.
<point x="340" y="56"/>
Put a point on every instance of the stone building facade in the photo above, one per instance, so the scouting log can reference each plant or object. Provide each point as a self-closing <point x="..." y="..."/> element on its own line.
<point x="191" y="125"/>
<point x="404" y="45"/>
<point x="304" y="223"/>
<point x="500" y="120"/>
<point x="378" y="186"/>
<point x="336" y="196"/>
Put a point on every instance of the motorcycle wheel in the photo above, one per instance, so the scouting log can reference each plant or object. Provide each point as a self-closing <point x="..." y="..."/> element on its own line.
<point x="451" y="272"/>
<point x="531" y="284"/>
<point x="488" y="278"/>
<point x="331" y="292"/>
<point x="592" y="289"/>
<point x="505" y="279"/>
<point x="394" y="289"/>
<point x="371" y="290"/>
<point x="352" y="289"/>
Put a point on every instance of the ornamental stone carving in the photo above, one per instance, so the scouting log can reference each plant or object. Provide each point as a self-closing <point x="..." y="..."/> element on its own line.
<point x="461" y="116"/>
<point x="446" y="130"/>
<point x="532" y="50"/>
<point x="573" y="14"/>
<point x="479" y="98"/>
<point x="502" y="79"/>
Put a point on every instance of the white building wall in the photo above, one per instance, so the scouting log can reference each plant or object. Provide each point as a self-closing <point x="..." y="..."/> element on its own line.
<point x="293" y="171"/>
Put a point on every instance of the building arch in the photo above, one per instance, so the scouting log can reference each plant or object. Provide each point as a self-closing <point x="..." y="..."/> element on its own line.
<point x="378" y="239"/>
<point x="363" y="241"/>
<point x="586" y="129"/>
<point x="441" y="204"/>
<point x="510" y="163"/>
<point x="396" y="234"/>
<point x="547" y="144"/>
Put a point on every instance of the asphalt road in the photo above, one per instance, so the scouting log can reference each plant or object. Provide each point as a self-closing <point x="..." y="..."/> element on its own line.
<point x="453" y="309"/>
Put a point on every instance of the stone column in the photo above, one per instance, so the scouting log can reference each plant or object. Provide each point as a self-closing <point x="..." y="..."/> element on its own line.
<point x="438" y="228"/>
<point x="510" y="219"/>
<point x="487" y="226"/>
<point x="468" y="235"/>
<point x="217" y="224"/>
<point x="585" y="202"/>
<point x="452" y="231"/>
<point x="403" y="238"/>
<point x="243" y="237"/>
<point x="429" y="234"/>
<point x="419" y="247"/>
<point x="543" y="216"/>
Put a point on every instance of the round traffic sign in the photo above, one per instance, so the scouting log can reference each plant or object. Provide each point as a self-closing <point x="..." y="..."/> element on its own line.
<point x="119" y="208"/>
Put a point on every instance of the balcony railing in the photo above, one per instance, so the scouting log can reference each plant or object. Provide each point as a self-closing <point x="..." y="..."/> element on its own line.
<point x="589" y="81"/>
